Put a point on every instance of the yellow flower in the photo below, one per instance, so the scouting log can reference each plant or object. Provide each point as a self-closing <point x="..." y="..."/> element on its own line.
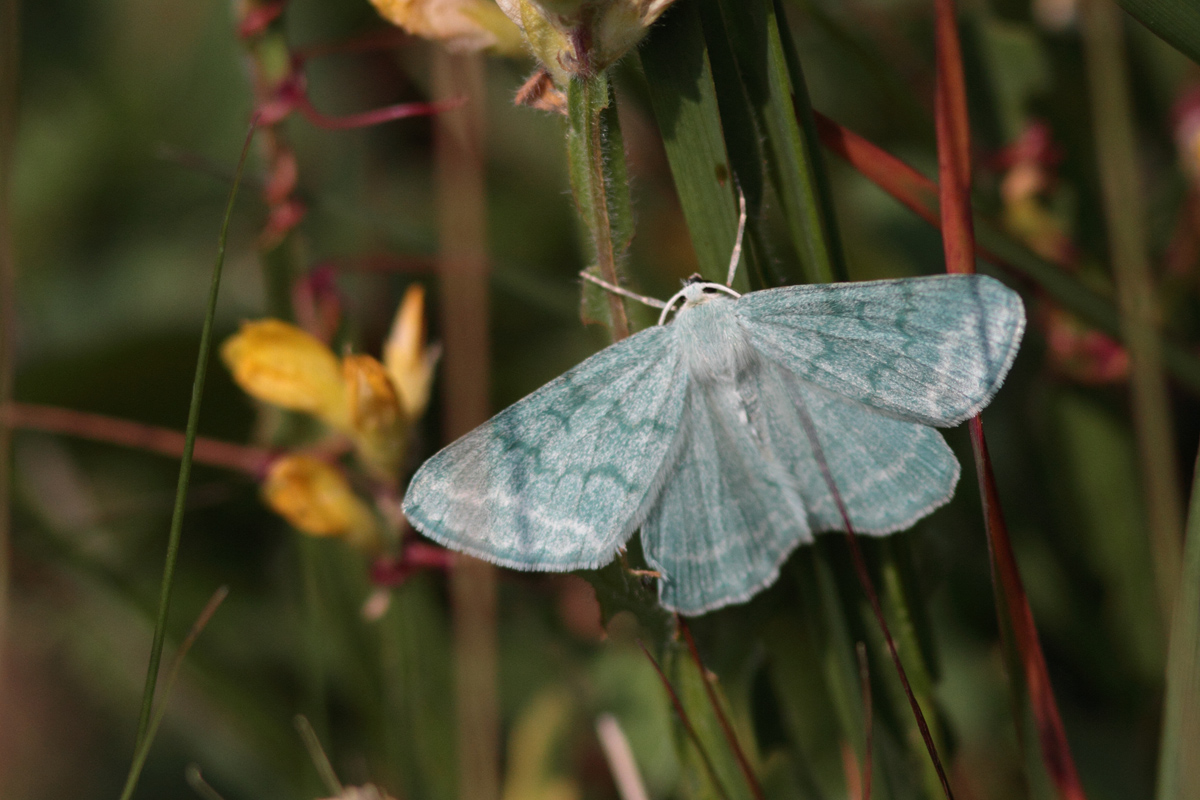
<point x="315" y="498"/>
<point x="461" y="25"/>
<point x="582" y="37"/>
<point x="409" y="361"/>
<point x="281" y="364"/>
<point x="377" y="421"/>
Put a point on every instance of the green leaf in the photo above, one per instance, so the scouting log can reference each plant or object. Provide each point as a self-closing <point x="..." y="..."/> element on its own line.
<point x="680" y="81"/>
<point x="757" y="44"/>
<point x="1175" y="21"/>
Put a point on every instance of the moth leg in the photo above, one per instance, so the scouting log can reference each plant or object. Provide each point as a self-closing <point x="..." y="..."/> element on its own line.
<point x="736" y="257"/>
<point x="641" y="298"/>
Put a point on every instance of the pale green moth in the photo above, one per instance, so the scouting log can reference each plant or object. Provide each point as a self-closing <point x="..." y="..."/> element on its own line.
<point x="693" y="432"/>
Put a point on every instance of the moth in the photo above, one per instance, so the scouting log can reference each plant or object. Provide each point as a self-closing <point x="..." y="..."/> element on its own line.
<point x="697" y="432"/>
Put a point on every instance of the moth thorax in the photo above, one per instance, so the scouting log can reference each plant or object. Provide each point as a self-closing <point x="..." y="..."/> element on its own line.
<point x="713" y="343"/>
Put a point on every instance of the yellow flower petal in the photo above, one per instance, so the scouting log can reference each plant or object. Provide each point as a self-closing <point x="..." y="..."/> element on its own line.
<point x="315" y="498"/>
<point x="410" y="363"/>
<point x="282" y="365"/>
<point x="377" y="421"/>
<point x="461" y="25"/>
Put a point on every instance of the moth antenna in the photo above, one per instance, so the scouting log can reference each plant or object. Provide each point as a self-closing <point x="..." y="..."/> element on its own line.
<point x="653" y="302"/>
<point x="736" y="257"/>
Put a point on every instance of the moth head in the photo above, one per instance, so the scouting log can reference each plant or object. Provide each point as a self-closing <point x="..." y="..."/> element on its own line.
<point x="696" y="291"/>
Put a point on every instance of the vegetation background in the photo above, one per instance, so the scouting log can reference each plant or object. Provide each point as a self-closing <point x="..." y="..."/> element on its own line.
<point x="121" y="123"/>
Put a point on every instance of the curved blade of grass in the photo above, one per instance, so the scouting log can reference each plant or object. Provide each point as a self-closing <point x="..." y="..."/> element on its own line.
<point x="1175" y="21"/>
<point x="143" y="750"/>
<point x="685" y="720"/>
<point x="1120" y="183"/>
<point x="919" y="194"/>
<point x="679" y="77"/>
<point x="185" y="472"/>
<point x="722" y="719"/>
<point x="1013" y="612"/>
<point x="755" y="33"/>
<point x="1179" y="756"/>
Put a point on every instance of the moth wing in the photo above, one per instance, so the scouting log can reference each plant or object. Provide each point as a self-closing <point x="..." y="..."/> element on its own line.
<point x="559" y="480"/>
<point x="932" y="350"/>
<point x="889" y="472"/>
<point x="727" y="516"/>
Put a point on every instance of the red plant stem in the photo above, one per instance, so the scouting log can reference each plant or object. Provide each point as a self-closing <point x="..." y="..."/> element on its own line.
<point x="915" y="191"/>
<point x="864" y="674"/>
<point x="958" y="236"/>
<point x="726" y="728"/>
<point x="164" y="441"/>
<point x="954" y="144"/>
<point x="1056" y="752"/>
<point x="686" y="722"/>
<point x="373" y="117"/>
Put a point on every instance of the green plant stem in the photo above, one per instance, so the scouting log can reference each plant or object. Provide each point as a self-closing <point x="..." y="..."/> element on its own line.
<point x="599" y="183"/>
<point x="185" y="473"/>
<point x="1179" y="758"/>
<point x="1112" y="121"/>
<point x="10" y="65"/>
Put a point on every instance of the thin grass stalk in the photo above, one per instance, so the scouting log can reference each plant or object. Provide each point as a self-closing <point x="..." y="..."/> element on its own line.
<point x="10" y="65"/>
<point x="686" y="721"/>
<point x="1179" y="752"/>
<point x="463" y="272"/>
<point x="954" y="148"/>
<point x="185" y="465"/>
<point x="1121" y="189"/>
<point x="735" y="746"/>
<point x="143" y="752"/>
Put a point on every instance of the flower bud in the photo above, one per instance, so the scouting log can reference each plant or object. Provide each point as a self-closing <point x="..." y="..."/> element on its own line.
<point x="578" y="38"/>
<point x="280" y="364"/>
<point x="410" y="362"/>
<point x="315" y="498"/>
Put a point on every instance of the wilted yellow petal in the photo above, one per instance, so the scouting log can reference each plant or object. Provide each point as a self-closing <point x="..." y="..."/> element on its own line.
<point x="377" y="422"/>
<point x="461" y="25"/>
<point x="281" y="364"/>
<point x="315" y="498"/>
<point x="409" y="361"/>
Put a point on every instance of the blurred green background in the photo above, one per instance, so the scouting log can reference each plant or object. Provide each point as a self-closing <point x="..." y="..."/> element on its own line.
<point x="131" y="113"/>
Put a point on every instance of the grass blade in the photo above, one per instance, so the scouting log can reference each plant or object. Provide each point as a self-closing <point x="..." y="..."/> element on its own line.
<point x="143" y="750"/>
<point x="1121" y="189"/>
<point x="1179" y="755"/>
<point x="680" y="81"/>
<point x="755" y="34"/>
<point x="185" y="472"/>
<point x="1176" y="21"/>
